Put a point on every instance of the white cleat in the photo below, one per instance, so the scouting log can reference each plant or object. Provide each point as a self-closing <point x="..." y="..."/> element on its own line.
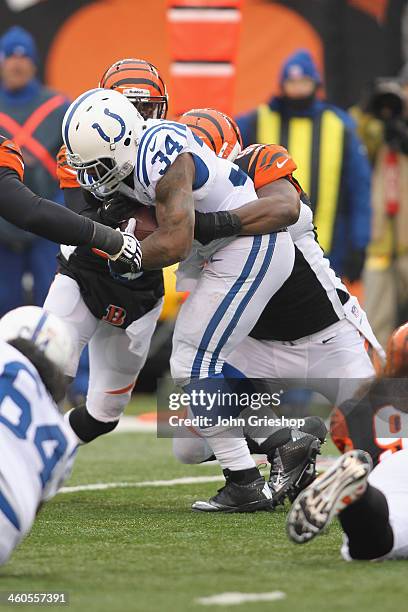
<point x="329" y="494"/>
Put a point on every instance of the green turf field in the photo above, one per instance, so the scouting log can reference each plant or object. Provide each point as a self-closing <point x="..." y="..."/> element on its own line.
<point x="142" y="549"/>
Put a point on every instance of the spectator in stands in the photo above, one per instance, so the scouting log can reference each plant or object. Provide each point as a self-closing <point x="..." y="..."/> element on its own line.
<point x="383" y="125"/>
<point x="332" y="163"/>
<point x="31" y="115"/>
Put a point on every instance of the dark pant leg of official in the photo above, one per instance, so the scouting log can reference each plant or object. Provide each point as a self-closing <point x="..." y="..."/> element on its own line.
<point x="43" y="266"/>
<point x="12" y="267"/>
<point x="79" y="387"/>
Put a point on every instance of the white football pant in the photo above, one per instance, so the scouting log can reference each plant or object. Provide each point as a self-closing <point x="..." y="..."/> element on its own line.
<point x="233" y="289"/>
<point x="334" y="359"/>
<point x="116" y="355"/>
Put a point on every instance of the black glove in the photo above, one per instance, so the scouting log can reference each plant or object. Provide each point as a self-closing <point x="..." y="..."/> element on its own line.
<point x="210" y="226"/>
<point x="116" y="209"/>
<point x="354" y="264"/>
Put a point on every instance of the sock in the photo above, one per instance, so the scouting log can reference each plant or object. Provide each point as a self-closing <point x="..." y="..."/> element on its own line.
<point x="226" y="441"/>
<point x="366" y="524"/>
<point x="242" y="477"/>
<point x="85" y="427"/>
<point x="231" y="453"/>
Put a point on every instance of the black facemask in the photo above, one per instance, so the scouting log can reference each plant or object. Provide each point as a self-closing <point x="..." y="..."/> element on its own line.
<point x="298" y="104"/>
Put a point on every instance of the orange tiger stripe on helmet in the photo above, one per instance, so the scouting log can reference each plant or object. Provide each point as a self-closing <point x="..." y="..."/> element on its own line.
<point x="216" y="129"/>
<point x="141" y="83"/>
<point x="397" y="353"/>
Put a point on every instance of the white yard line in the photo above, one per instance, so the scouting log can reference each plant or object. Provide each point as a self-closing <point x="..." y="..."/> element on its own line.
<point x="128" y="424"/>
<point x="231" y="599"/>
<point x="100" y="486"/>
<point x="323" y="464"/>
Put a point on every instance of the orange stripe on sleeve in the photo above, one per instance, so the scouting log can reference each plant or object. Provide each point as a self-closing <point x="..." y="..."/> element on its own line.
<point x="11" y="157"/>
<point x="66" y="175"/>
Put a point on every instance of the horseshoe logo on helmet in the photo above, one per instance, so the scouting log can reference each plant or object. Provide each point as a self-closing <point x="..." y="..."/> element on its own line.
<point x="119" y="119"/>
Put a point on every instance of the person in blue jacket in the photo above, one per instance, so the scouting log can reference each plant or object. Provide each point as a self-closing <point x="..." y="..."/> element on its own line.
<point x="333" y="168"/>
<point x="30" y="115"/>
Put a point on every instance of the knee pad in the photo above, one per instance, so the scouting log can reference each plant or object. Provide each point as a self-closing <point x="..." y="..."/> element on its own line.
<point x="86" y="427"/>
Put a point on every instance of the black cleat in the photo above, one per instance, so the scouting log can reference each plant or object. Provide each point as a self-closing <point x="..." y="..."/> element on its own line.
<point x="294" y="466"/>
<point x="234" y="497"/>
<point x="315" y="426"/>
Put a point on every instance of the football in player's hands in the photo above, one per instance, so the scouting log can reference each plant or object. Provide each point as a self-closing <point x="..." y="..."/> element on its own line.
<point x="146" y="223"/>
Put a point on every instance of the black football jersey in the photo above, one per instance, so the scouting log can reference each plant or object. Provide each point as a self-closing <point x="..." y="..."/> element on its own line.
<point x="304" y="305"/>
<point x="372" y="422"/>
<point x="114" y="301"/>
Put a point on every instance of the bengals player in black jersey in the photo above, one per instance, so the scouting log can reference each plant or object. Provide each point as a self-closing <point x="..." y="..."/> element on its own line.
<point x="376" y="419"/>
<point x="114" y="316"/>
<point x="367" y="488"/>
<point x="307" y="330"/>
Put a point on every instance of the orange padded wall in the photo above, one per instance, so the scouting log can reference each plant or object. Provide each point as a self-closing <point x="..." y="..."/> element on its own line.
<point x="203" y="37"/>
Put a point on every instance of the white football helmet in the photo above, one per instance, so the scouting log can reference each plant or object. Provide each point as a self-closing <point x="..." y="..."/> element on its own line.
<point x="49" y="333"/>
<point x="101" y="130"/>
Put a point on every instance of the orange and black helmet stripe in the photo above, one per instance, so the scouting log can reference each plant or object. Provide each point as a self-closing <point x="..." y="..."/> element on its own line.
<point x="141" y="83"/>
<point x="397" y="353"/>
<point x="218" y="131"/>
<point x="133" y="72"/>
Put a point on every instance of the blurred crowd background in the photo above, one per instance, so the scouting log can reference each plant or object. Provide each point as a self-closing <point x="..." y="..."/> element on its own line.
<point x="326" y="79"/>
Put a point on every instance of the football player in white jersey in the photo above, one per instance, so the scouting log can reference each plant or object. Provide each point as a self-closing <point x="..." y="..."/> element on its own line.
<point x="121" y="314"/>
<point x="162" y="164"/>
<point x="307" y="330"/>
<point x="37" y="447"/>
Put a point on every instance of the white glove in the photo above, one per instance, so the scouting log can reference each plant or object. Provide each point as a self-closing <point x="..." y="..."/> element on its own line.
<point x="130" y="254"/>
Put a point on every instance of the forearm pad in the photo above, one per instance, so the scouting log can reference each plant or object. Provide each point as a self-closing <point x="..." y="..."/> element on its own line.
<point x="106" y="239"/>
<point x="213" y="225"/>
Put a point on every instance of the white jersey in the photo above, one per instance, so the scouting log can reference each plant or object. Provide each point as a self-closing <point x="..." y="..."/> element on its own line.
<point x="218" y="185"/>
<point x="37" y="447"/>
